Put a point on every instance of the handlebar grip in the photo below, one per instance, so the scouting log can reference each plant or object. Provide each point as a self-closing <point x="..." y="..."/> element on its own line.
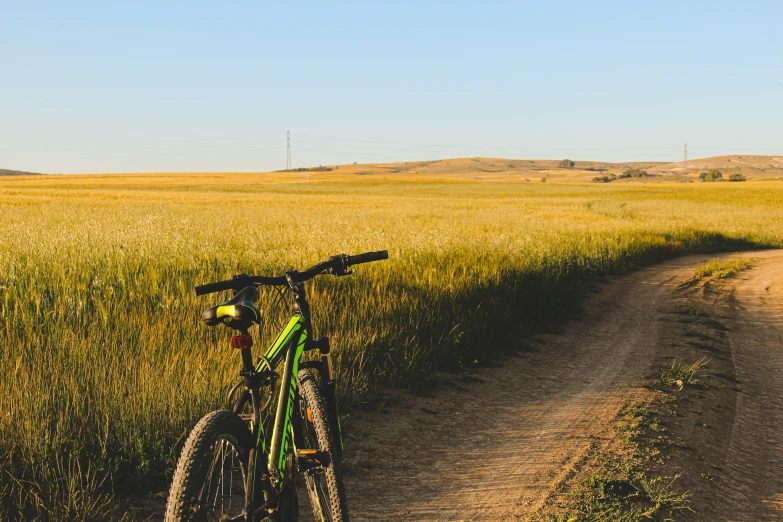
<point x="367" y="257"/>
<point x="210" y="288"/>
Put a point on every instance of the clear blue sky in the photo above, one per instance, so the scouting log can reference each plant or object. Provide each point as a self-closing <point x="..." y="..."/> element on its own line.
<point x="213" y="86"/>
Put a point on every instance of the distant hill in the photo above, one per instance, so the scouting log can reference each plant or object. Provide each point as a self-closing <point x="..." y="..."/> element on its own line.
<point x="753" y="167"/>
<point x="500" y="169"/>
<point x="525" y="170"/>
<point x="493" y="169"/>
<point x="8" y="172"/>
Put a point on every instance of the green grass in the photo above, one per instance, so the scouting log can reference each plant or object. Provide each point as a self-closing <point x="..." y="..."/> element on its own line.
<point x="617" y="482"/>
<point x="721" y="268"/>
<point x="107" y="366"/>
<point x="608" y="499"/>
<point x="680" y="375"/>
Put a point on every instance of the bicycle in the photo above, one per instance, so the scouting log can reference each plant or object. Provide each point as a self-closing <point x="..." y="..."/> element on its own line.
<point x="230" y="468"/>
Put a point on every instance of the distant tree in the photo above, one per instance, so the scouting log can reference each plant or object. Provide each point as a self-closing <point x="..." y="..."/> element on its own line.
<point x="712" y="175"/>
<point x="566" y="164"/>
<point x="737" y="177"/>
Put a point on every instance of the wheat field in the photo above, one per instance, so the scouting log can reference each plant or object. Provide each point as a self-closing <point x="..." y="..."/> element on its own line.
<point x="106" y="365"/>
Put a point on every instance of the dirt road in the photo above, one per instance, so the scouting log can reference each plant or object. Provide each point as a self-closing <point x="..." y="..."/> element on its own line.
<point x="497" y="449"/>
<point x="752" y="486"/>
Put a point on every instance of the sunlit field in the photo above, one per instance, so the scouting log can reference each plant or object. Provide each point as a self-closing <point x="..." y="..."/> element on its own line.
<point x="106" y="365"/>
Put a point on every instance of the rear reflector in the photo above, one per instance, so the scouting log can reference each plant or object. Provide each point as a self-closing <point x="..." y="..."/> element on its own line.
<point x="242" y="342"/>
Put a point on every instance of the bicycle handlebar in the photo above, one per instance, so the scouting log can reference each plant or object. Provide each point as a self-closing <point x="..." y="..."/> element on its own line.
<point x="367" y="257"/>
<point x="336" y="265"/>
<point x="238" y="282"/>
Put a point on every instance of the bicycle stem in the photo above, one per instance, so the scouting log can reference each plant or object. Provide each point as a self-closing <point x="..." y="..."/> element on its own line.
<point x="300" y="300"/>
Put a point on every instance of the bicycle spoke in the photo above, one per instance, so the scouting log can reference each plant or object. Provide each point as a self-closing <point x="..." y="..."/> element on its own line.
<point x="211" y="476"/>
<point x="321" y="495"/>
<point x="219" y="491"/>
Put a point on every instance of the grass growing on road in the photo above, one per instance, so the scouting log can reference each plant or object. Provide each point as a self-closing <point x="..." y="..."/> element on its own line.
<point x="680" y="375"/>
<point x="615" y="484"/>
<point x="721" y="268"/>
<point x="107" y="367"/>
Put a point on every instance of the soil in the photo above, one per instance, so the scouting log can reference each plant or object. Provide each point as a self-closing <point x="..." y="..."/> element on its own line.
<point x="731" y="450"/>
<point x="500" y="443"/>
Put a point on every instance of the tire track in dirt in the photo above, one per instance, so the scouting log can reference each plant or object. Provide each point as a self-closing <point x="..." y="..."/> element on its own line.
<point x="752" y="486"/>
<point x="497" y="449"/>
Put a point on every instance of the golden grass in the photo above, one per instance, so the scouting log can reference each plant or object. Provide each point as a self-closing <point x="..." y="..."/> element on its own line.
<point x="107" y="367"/>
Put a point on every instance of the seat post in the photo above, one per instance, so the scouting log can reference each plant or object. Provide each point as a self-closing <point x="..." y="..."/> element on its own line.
<point x="247" y="359"/>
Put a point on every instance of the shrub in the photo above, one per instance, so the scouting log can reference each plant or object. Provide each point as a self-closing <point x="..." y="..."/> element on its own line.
<point x="634" y="173"/>
<point x="566" y="164"/>
<point x="604" y="179"/>
<point x="737" y="177"/>
<point x="712" y="175"/>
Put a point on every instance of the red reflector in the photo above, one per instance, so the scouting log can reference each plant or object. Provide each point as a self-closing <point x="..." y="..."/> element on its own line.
<point x="242" y="341"/>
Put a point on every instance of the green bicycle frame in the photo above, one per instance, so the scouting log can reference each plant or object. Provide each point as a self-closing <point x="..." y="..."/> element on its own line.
<point x="287" y="348"/>
<point x="293" y="338"/>
<point x="271" y="454"/>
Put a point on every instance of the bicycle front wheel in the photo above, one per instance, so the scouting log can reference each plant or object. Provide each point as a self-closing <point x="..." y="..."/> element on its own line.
<point x="209" y="483"/>
<point x="324" y="483"/>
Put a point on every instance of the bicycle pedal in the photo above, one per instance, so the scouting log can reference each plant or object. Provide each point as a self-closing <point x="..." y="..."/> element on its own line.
<point x="309" y="458"/>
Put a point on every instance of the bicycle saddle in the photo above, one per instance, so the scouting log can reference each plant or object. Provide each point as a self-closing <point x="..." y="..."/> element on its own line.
<point x="237" y="310"/>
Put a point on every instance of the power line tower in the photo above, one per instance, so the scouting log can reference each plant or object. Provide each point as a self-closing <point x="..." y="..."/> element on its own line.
<point x="685" y="156"/>
<point x="288" y="150"/>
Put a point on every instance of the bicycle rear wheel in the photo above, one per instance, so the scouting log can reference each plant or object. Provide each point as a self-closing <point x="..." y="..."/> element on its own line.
<point x="209" y="482"/>
<point x="324" y="483"/>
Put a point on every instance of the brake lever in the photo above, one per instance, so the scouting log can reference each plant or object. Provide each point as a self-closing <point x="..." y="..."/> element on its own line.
<point x="240" y="282"/>
<point x="342" y="269"/>
<point x="341" y="273"/>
